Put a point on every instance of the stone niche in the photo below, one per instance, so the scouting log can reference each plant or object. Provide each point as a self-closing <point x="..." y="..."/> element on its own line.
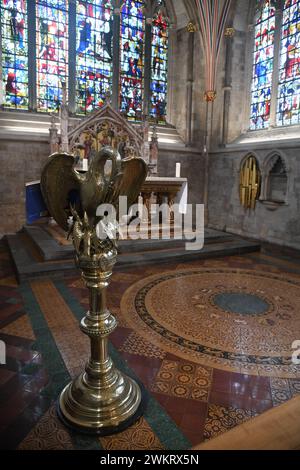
<point x="275" y="188"/>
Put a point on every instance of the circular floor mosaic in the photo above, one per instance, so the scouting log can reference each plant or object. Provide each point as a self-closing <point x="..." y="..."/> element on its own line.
<point x="239" y="320"/>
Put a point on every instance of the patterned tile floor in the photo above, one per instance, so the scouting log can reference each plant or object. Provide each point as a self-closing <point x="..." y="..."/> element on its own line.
<point x="188" y="402"/>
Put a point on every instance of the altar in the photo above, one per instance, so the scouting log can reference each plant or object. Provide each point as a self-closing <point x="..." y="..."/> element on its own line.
<point x="164" y="189"/>
<point x="107" y="127"/>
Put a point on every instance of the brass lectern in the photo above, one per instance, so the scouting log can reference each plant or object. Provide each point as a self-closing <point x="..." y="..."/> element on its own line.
<point x="101" y="399"/>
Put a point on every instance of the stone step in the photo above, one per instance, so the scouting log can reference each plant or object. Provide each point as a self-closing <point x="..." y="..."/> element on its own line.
<point x="230" y="248"/>
<point x="29" y="266"/>
<point x="50" y="249"/>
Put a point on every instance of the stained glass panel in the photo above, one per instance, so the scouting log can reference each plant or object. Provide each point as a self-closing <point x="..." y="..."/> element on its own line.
<point x="52" y="52"/>
<point x="94" y="53"/>
<point x="159" y="67"/>
<point x="14" y="53"/>
<point x="262" y="67"/>
<point x="132" y="58"/>
<point x="288" y="107"/>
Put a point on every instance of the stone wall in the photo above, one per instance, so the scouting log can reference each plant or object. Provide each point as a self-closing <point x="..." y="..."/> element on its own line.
<point x="21" y="162"/>
<point x="275" y="224"/>
<point x="192" y="168"/>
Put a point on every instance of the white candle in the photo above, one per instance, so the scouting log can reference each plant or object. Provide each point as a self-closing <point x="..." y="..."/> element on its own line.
<point x="85" y="164"/>
<point x="178" y="170"/>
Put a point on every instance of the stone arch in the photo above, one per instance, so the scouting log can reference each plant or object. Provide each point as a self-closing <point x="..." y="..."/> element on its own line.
<point x="275" y="178"/>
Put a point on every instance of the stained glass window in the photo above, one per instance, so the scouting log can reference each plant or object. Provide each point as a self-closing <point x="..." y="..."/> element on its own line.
<point x="262" y="67"/>
<point x="92" y="42"/>
<point x="132" y="58"/>
<point x="93" y="53"/>
<point x="288" y="105"/>
<point x="159" y="64"/>
<point x="14" y="53"/>
<point x="52" y="52"/>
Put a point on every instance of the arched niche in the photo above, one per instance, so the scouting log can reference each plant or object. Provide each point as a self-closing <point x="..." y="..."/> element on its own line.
<point x="250" y="181"/>
<point x="275" y="180"/>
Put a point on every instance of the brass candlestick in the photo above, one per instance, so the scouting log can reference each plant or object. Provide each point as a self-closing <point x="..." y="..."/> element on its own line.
<point x="101" y="399"/>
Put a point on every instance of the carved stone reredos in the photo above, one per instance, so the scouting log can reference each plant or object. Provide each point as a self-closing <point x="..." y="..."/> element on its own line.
<point x="105" y="126"/>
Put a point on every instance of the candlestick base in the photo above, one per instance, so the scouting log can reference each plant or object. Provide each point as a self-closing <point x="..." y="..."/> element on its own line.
<point x="101" y="408"/>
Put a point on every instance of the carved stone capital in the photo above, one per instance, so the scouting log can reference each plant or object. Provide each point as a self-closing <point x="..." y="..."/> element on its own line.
<point x="229" y="32"/>
<point x="210" y="95"/>
<point x="191" y="27"/>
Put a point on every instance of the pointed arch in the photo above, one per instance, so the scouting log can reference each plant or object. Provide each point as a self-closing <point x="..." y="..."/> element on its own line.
<point x="132" y="46"/>
<point x="159" y="63"/>
<point x="275" y="178"/>
<point x="288" y="104"/>
<point x="14" y="38"/>
<point x="52" y="52"/>
<point x="263" y="60"/>
<point x="94" y="53"/>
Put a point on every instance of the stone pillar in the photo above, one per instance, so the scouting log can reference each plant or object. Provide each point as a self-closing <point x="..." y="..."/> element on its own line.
<point x="64" y="121"/>
<point x="72" y="58"/>
<point x="171" y="200"/>
<point x="171" y="69"/>
<point x="206" y="147"/>
<point x="116" y="60"/>
<point x="32" y="104"/>
<point x="146" y="195"/>
<point x="191" y="28"/>
<point x="53" y="136"/>
<point x="153" y="152"/>
<point x="229" y="33"/>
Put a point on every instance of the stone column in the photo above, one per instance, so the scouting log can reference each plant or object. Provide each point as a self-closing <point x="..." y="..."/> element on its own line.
<point x="53" y="136"/>
<point x="191" y="28"/>
<point x="32" y="104"/>
<point x="229" y="33"/>
<point x="116" y="59"/>
<point x="146" y="195"/>
<point x="210" y="98"/>
<point x="171" y="67"/>
<point x="171" y="200"/>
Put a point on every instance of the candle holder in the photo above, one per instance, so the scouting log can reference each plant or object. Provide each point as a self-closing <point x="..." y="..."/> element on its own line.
<point x="102" y="399"/>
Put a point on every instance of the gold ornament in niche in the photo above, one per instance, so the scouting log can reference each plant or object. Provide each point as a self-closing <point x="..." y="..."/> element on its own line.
<point x="250" y="179"/>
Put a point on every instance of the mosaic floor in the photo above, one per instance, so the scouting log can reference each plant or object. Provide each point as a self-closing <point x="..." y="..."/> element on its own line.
<point x="259" y="310"/>
<point x="191" y="398"/>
